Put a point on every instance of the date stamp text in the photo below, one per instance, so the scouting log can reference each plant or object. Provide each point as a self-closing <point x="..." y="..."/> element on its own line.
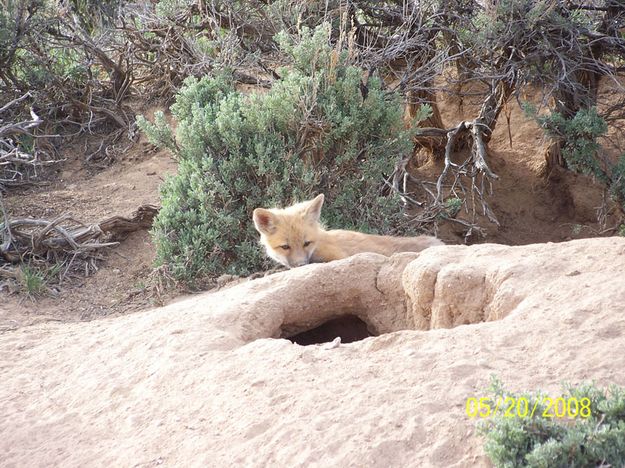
<point x="522" y="407"/>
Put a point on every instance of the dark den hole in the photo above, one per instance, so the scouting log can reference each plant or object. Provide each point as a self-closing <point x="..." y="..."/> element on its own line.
<point x="349" y="327"/>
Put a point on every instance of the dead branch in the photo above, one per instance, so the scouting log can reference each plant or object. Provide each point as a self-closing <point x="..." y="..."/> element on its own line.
<point x="64" y="240"/>
<point x="20" y="127"/>
<point x="39" y="237"/>
<point x="17" y="166"/>
<point x="15" y="101"/>
<point x="118" y="227"/>
<point x="467" y="185"/>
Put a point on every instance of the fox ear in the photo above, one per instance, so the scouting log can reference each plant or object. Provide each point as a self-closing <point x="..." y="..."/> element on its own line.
<point x="264" y="221"/>
<point x="313" y="211"/>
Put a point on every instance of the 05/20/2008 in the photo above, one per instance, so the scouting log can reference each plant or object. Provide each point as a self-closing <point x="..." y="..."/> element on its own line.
<point x="522" y="407"/>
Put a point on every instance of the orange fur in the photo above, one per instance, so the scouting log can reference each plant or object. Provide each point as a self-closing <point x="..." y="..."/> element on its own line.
<point x="293" y="237"/>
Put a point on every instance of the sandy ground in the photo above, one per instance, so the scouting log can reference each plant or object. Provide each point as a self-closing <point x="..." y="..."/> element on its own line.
<point x="179" y="386"/>
<point x="118" y="285"/>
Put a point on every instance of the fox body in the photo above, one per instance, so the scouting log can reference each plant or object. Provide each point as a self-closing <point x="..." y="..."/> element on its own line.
<point x="293" y="237"/>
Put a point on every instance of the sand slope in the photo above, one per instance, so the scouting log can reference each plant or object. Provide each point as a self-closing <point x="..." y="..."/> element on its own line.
<point x="184" y="385"/>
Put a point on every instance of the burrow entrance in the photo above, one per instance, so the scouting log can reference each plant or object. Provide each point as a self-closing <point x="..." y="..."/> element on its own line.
<point x="349" y="327"/>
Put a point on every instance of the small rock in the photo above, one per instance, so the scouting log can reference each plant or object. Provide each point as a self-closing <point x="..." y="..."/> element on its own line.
<point x="334" y="344"/>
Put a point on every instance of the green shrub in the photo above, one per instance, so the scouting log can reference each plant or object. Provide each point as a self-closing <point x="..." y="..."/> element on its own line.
<point x="579" y="136"/>
<point x="313" y="132"/>
<point x="596" y="440"/>
<point x="617" y="180"/>
<point x="580" y="147"/>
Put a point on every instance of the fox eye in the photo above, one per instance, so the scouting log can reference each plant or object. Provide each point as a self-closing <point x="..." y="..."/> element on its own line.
<point x="285" y="247"/>
<point x="307" y="243"/>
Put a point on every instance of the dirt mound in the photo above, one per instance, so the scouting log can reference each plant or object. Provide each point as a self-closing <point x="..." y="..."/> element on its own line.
<point x="200" y="381"/>
<point x="458" y="286"/>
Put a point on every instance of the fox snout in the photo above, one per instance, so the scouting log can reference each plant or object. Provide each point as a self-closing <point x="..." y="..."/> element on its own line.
<point x="294" y="261"/>
<point x="291" y="260"/>
<point x="298" y="263"/>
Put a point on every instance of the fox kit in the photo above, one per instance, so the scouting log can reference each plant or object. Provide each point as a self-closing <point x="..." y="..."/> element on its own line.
<point x="293" y="237"/>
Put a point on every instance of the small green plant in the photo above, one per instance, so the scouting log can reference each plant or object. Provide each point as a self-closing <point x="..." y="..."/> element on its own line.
<point x="313" y="132"/>
<point x="621" y="230"/>
<point x="452" y="206"/>
<point x="595" y="436"/>
<point x="32" y="281"/>
<point x="35" y="281"/>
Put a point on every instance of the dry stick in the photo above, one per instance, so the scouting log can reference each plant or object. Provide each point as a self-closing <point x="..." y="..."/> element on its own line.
<point x="405" y="188"/>
<point x="20" y="127"/>
<point x="480" y="149"/>
<point x="4" y="247"/>
<point x="400" y="172"/>
<point x="474" y="189"/>
<point x="401" y="194"/>
<point x="97" y="245"/>
<point x="36" y="240"/>
<point x="451" y="139"/>
<point x="79" y="240"/>
<point x="62" y="278"/>
<point x="487" y="211"/>
<point x="14" y="101"/>
<point x="469" y="225"/>
<point x="6" y="159"/>
<point x="6" y="272"/>
<point x="40" y="222"/>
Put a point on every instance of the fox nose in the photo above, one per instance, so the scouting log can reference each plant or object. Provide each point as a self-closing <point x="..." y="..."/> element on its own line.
<point x="299" y="263"/>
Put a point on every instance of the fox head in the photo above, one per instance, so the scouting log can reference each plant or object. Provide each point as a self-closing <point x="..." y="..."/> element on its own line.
<point x="290" y="234"/>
